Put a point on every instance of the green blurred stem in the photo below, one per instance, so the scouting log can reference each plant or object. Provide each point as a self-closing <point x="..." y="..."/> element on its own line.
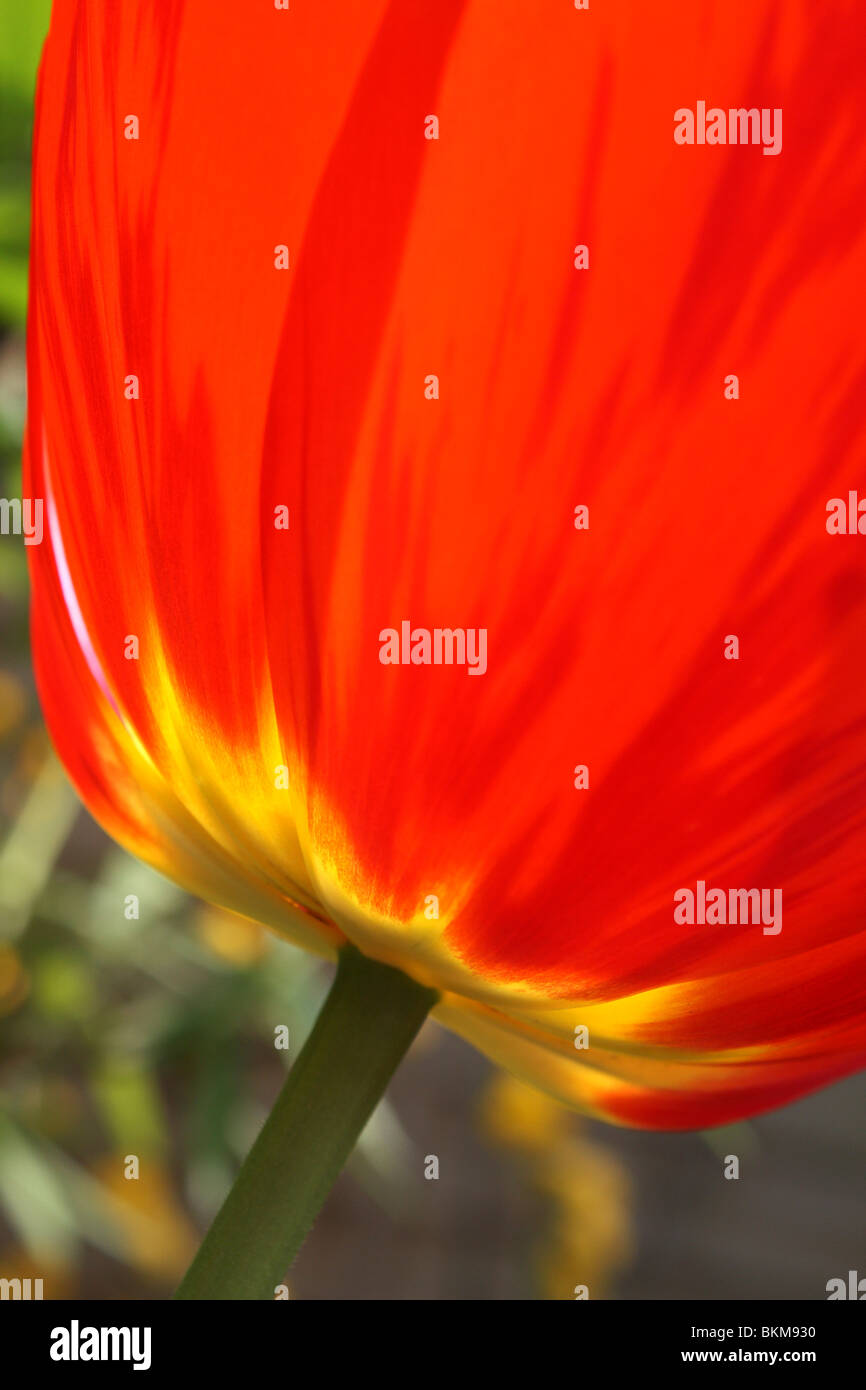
<point x="366" y="1025"/>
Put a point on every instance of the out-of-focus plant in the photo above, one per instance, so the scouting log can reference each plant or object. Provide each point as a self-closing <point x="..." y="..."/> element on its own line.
<point x="22" y="30"/>
<point x="586" y="1238"/>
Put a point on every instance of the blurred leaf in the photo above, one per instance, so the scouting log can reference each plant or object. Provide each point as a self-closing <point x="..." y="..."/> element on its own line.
<point x="33" y="843"/>
<point x="131" y="1109"/>
<point x="22" y="30"/>
<point x="383" y="1162"/>
<point x="33" y="1197"/>
<point x="13" y="282"/>
<point x="738" y="1139"/>
<point x="63" y="989"/>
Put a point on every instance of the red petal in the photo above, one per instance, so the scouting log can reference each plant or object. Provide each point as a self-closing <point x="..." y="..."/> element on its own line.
<point x="558" y="387"/>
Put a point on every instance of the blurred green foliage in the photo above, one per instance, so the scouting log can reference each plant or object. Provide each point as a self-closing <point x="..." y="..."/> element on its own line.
<point x="23" y="24"/>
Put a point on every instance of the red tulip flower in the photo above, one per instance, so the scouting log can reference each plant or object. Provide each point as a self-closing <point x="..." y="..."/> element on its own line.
<point x="366" y="334"/>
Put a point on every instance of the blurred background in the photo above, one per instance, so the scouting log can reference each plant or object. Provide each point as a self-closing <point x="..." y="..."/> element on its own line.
<point x="155" y="1037"/>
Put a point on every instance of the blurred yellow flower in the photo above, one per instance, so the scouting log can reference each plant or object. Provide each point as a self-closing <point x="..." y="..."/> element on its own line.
<point x="519" y="1117"/>
<point x="235" y="940"/>
<point x="159" y="1235"/>
<point x="588" y="1237"/>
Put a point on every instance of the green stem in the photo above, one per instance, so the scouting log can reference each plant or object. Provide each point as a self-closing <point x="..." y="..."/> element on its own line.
<point x="368" y="1021"/>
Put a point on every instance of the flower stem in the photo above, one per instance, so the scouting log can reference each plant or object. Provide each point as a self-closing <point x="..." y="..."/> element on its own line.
<point x="366" y="1025"/>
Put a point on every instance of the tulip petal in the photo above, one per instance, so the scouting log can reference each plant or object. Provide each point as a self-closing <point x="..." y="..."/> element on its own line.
<point x="432" y="814"/>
